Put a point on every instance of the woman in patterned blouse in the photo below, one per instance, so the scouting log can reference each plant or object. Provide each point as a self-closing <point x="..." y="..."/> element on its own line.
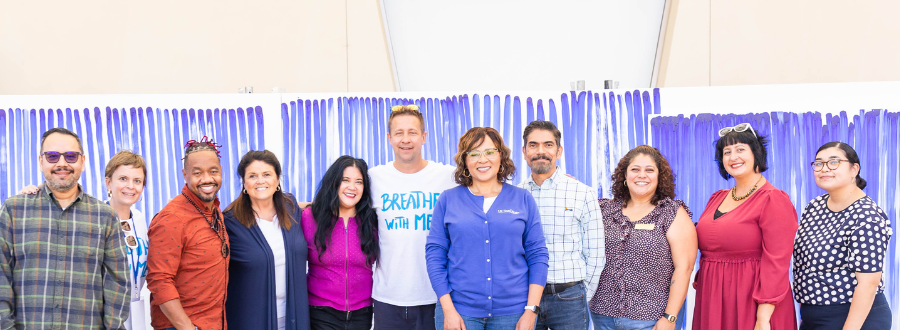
<point x="651" y="246"/>
<point x="840" y="249"/>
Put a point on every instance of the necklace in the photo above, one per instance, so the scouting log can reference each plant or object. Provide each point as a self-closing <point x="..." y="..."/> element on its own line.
<point x="738" y="199"/>
<point x="213" y="225"/>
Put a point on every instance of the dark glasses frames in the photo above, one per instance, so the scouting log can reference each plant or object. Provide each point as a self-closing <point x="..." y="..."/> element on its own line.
<point x="53" y="156"/>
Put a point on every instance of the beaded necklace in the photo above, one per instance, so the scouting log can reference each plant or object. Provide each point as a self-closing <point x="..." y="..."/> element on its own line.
<point x="213" y="225"/>
<point x="738" y="199"/>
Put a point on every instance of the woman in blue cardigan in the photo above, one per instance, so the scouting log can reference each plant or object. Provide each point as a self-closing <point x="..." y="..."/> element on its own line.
<point x="267" y="273"/>
<point x="485" y="253"/>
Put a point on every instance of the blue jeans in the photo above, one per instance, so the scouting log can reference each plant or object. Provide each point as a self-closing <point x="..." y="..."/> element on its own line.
<point x="602" y="322"/>
<point x="564" y="310"/>
<point x="505" y="322"/>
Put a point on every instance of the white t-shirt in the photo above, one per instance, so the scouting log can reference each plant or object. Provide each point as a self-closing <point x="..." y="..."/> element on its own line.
<point x="404" y="203"/>
<point x="139" y="316"/>
<point x="272" y="232"/>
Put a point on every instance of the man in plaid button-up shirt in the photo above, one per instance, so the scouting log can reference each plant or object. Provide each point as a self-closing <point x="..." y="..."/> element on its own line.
<point x="573" y="228"/>
<point x="62" y="255"/>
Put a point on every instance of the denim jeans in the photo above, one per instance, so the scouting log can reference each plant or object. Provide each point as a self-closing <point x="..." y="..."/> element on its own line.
<point x="505" y="322"/>
<point x="602" y="322"/>
<point x="564" y="310"/>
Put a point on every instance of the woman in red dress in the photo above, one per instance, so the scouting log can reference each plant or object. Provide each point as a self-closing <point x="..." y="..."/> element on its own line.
<point x="746" y="237"/>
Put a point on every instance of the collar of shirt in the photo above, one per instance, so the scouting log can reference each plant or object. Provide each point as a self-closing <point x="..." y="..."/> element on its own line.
<point x="549" y="182"/>
<point x="47" y="193"/>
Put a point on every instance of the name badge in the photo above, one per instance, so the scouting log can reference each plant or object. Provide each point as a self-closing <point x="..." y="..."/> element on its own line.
<point x="645" y="226"/>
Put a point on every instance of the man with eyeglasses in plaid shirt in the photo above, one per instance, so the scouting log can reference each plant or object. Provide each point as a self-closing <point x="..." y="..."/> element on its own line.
<point x="62" y="255"/>
<point x="573" y="228"/>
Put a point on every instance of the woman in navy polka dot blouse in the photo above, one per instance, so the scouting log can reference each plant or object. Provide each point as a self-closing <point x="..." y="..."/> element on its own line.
<point x="840" y="248"/>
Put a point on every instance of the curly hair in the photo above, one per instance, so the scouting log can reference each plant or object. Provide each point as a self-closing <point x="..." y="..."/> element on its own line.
<point x="473" y="138"/>
<point x="665" y="180"/>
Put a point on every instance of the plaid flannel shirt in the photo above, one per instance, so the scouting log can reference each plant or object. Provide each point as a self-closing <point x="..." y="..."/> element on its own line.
<point x="61" y="268"/>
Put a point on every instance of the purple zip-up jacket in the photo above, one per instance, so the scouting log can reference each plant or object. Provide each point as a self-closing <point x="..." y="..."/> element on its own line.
<point x="342" y="279"/>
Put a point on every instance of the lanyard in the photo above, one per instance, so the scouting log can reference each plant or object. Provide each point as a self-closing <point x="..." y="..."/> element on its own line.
<point x="134" y="262"/>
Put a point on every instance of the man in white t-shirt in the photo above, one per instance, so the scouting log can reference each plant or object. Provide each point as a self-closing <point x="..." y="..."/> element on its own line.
<point x="573" y="228"/>
<point x="404" y="193"/>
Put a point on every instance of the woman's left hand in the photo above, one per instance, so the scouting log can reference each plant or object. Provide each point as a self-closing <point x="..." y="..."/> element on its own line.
<point x="526" y="322"/>
<point x="664" y="324"/>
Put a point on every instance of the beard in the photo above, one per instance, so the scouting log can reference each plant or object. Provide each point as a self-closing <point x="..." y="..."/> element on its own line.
<point x="57" y="184"/>
<point x="539" y="167"/>
<point x="206" y="198"/>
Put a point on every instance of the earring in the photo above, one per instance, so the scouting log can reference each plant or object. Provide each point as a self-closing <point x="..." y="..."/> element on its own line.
<point x="466" y="173"/>
<point x="625" y="183"/>
<point x="108" y="194"/>
<point x="278" y="188"/>
<point x="244" y="191"/>
<point x="501" y="168"/>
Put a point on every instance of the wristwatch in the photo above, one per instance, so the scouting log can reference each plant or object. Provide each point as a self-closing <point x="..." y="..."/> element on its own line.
<point x="534" y="308"/>
<point x="671" y="318"/>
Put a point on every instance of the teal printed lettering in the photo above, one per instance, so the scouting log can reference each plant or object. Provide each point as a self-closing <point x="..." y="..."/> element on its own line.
<point x="406" y="201"/>
<point x="425" y="218"/>
<point x="397" y="223"/>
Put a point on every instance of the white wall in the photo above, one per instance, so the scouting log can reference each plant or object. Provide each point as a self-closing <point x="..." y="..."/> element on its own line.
<point x="722" y="42"/>
<point x="522" y="45"/>
<point x="162" y="47"/>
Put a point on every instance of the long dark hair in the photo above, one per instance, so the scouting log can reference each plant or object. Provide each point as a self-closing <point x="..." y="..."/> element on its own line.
<point x="241" y="206"/>
<point x="326" y="208"/>
<point x="851" y="156"/>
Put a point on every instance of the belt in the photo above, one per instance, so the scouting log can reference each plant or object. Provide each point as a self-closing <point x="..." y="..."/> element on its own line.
<point x="554" y="288"/>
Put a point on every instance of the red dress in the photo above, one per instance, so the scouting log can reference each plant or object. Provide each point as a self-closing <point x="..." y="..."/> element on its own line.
<point x="745" y="256"/>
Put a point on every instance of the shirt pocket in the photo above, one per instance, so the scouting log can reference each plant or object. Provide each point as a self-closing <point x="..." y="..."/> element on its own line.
<point x="89" y="240"/>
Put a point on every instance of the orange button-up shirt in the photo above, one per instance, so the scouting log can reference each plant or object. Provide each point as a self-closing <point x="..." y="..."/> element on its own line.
<point x="185" y="262"/>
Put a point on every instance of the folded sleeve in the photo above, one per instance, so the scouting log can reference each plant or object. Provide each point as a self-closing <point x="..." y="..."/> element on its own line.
<point x="536" y="254"/>
<point x="437" y="246"/>
<point x="869" y="243"/>
<point x="778" y="225"/>
<point x="166" y="246"/>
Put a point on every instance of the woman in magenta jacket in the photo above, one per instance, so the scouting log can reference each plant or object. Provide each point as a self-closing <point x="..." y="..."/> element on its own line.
<point x="341" y="230"/>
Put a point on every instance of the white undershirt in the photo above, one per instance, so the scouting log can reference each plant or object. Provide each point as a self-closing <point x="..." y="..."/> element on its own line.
<point x="272" y="232"/>
<point x="488" y="201"/>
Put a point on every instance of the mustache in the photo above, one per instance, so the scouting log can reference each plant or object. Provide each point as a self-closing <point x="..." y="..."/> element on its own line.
<point x="544" y="157"/>
<point x="207" y="184"/>
<point x="62" y="169"/>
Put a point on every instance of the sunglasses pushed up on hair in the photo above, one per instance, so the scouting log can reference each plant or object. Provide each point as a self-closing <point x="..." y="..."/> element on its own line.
<point x="71" y="157"/>
<point x="737" y="128"/>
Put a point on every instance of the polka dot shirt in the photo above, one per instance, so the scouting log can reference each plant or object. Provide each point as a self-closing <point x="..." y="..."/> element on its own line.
<point x="831" y="247"/>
